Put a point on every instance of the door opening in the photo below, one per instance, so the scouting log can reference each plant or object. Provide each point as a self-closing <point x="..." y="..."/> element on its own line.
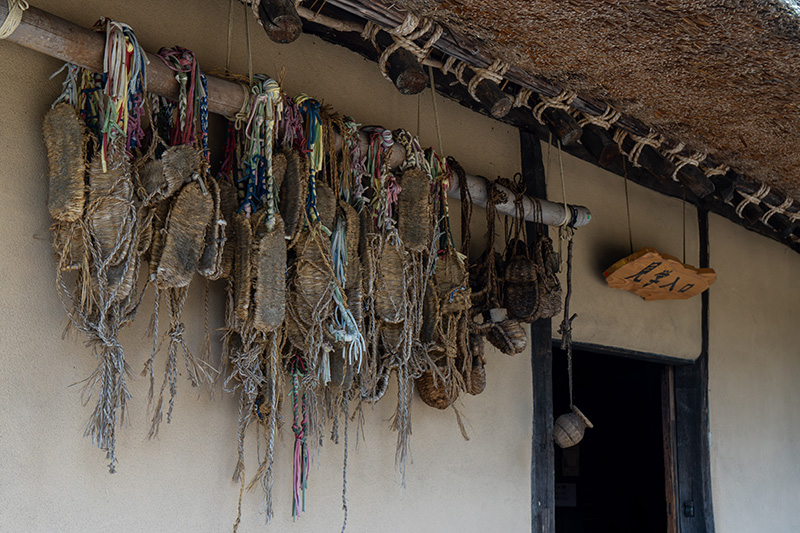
<point x="614" y="479"/>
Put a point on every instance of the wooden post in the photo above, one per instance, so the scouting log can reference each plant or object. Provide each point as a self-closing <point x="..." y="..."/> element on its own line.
<point x="403" y="67"/>
<point x="280" y="20"/>
<point x="543" y="478"/>
<point x="695" y="512"/>
<point x="603" y="148"/>
<point x="668" y="436"/>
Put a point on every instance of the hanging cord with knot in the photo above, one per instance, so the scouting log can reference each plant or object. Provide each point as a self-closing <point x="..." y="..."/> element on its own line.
<point x="565" y="329"/>
<point x="561" y="101"/>
<point x="403" y="36"/>
<point x="14" y="17"/>
<point x="681" y="161"/>
<point x="495" y="196"/>
<point x="466" y="203"/>
<point x="652" y="139"/>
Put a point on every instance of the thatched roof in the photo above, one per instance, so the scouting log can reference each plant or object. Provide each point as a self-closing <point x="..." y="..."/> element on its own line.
<point x="722" y="76"/>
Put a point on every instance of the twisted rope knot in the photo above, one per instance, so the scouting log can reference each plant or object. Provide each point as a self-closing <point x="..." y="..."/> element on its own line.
<point x="493" y="72"/>
<point x="694" y="159"/>
<point x="605" y="120"/>
<point x="754" y="199"/>
<point x="652" y="139"/>
<point x="523" y="97"/>
<point x="779" y="209"/>
<point x="176" y="332"/>
<point x="563" y="100"/>
<point x="720" y="170"/>
<point x="404" y="36"/>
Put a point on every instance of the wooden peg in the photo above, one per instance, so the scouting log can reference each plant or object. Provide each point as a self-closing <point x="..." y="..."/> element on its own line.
<point x="563" y="125"/>
<point x="489" y="94"/>
<point x="603" y="148"/>
<point x="280" y="20"/>
<point x="403" y="67"/>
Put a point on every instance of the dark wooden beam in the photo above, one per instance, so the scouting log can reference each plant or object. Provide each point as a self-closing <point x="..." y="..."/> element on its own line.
<point x="543" y="509"/>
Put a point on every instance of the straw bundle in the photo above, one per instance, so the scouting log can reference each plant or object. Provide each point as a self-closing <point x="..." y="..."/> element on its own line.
<point x="549" y="286"/>
<point x="476" y="379"/>
<point x="507" y="336"/>
<point x="313" y="276"/>
<point x="160" y="178"/>
<point x="390" y="290"/>
<point x="452" y="281"/>
<point x="269" y="270"/>
<point x="68" y="245"/>
<point x="228" y="204"/>
<point x="64" y="138"/>
<point x="243" y="262"/>
<point x="210" y="264"/>
<point x="414" y="210"/>
<point x="355" y="302"/>
<point x="326" y="205"/>
<point x="292" y="196"/>
<point x="160" y="212"/>
<point x="434" y="392"/>
<point x="189" y="215"/>
<point x="431" y="314"/>
<point x="352" y="236"/>
<point x="279" y="169"/>
<point x="111" y="212"/>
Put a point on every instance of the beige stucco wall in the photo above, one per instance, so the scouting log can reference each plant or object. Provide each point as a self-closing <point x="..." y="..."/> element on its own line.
<point x="614" y="317"/>
<point x="754" y="371"/>
<point x="53" y="480"/>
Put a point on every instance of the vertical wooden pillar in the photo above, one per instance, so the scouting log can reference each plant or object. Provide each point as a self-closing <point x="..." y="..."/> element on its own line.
<point x="695" y="512"/>
<point x="542" y="454"/>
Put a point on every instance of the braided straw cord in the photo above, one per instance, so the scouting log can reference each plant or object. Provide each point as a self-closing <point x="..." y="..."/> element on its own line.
<point x="562" y="100"/>
<point x="404" y="36"/>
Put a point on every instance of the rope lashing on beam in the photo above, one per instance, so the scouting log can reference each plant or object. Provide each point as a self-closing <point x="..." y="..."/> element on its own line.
<point x="720" y="170"/>
<point x="14" y="17"/>
<point x="404" y="36"/>
<point x="523" y="97"/>
<point x="493" y="72"/>
<point x="562" y="101"/>
<point x="778" y="209"/>
<point x="754" y="199"/>
<point x="652" y="139"/>
<point x="605" y="120"/>
<point x="681" y="161"/>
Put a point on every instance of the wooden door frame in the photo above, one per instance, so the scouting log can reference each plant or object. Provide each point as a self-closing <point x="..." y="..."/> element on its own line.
<point x="689" y="383"/>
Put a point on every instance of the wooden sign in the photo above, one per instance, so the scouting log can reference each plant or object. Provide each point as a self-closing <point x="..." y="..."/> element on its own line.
<point x="656" y="276"/>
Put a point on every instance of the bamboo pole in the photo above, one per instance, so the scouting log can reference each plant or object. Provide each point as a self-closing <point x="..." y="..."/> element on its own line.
<point x="53" y="36"/>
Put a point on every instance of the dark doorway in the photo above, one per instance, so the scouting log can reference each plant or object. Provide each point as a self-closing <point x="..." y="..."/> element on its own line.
<point x="613" y="480"/>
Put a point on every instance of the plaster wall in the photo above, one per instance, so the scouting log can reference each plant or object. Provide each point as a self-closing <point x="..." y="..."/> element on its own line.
<point x="53" y="480"/>
<point x="754" y="368"/>
<point x="613" y="317"/>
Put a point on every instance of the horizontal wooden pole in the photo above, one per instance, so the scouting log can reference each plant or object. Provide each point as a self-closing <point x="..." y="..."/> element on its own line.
<point x="53" y="36"/>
